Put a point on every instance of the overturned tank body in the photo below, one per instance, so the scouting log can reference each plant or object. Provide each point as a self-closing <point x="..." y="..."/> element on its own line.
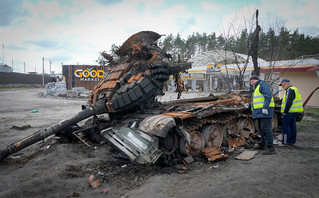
<point x="123" y="109"/>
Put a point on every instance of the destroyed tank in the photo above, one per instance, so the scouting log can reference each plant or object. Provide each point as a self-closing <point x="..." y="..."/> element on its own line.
<point x="124" y="110"/>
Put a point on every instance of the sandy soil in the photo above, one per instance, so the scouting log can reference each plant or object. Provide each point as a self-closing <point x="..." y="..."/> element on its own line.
<point x="54" y="169"/>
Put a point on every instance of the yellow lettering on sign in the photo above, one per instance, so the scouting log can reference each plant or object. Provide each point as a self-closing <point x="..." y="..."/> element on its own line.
<point x="87" y="73"/>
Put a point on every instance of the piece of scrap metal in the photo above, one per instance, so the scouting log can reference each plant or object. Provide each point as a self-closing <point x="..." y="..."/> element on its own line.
<point x="236" y="142"/>
<point x="246" y="155"/>
<point x="135" y="144"/>
<point x="94" y="181"/>
<point x="189" y="159"/>
<point x="213" y="153"/>
<point x="245" y="133"/>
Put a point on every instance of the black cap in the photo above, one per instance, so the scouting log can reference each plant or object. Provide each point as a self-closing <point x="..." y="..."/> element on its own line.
<point x="254" y="77"/>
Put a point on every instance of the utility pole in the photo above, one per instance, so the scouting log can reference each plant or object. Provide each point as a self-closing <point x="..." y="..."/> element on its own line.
<point x="12" y="65"/>
<point x="2" y="54"/>
<point x="43" y="71"/>
<point x="50" y="66"/>
<point x="253" y="51"/>
<point x="24" y="66"/>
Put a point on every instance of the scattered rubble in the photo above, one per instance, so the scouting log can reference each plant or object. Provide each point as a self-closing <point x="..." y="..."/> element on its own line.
<point x="21" y="128"/>
<point x="94" y="181"/>
<point x="214" y="154"/>
<point x="59" y="89"/>
<point x="81" y="92"/>
<point x="55" y="88"/>
<point x="75" y="194"/>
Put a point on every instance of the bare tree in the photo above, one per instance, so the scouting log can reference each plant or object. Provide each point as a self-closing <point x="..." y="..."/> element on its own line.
<point x="276" y="46"/>
<point x="232" y="35"/>
<point x="252" y="44"/>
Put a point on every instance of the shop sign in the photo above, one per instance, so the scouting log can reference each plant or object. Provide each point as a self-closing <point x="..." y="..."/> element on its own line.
<point x="89" y="74"/>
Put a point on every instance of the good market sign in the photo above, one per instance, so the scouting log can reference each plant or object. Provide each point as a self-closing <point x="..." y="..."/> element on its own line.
<point x="89" y="74"/>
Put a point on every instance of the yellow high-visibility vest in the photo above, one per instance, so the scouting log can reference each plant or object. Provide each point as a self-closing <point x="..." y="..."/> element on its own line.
<point x="259" y="99"/>
<point x="296" y="104"/>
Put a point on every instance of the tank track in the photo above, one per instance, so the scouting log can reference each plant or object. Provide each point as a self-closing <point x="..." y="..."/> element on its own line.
<point x="134" y="80"/>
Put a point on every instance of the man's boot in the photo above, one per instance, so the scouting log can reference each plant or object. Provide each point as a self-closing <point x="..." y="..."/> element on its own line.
<point x="259" y="147"/>
<point x="269" y="151"/>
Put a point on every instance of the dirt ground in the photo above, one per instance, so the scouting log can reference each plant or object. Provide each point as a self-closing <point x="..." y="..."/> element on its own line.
<point x="54" y="169"/>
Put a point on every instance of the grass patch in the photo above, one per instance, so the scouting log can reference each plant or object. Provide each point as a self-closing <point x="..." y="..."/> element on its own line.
<point x="304" y="124"/>
<point x="312" y="110"/>
<point x="311" y="117"/>
<point x="23" y="87"/>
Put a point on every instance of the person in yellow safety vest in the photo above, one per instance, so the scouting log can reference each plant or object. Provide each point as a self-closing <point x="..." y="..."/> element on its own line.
<point x="262" y="107"/>
<point x="291" y="105"/>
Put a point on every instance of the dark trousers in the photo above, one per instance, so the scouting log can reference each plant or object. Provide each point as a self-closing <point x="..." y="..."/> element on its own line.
<point x="289" y="128"/>
<point x="265" y="129"/>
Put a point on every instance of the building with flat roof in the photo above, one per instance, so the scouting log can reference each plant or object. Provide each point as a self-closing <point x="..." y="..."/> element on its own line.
<point x="5" y="68"/>
<point x="210" y="70"/>
<point x="302" y="73"/>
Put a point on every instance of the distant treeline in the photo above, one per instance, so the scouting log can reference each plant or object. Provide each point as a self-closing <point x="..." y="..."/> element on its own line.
<point x="273" y="46"/>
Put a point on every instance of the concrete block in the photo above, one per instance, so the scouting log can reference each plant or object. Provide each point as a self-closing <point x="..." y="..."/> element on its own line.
<point x="71" y="94"/>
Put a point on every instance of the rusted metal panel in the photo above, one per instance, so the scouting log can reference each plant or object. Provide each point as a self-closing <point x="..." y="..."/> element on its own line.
<point x="112" y="85"/>
<point x="108" y="94"/>
<point x="108" y="76"/>
<point x="187" y="160"/>
<point x="158" y="125"/>
<point x="125" y="66"/>
<point x="214" y="153"/>
<point x="116" y="75"/>
<point x="138" y="76"/>
<point x="236" y="142"/>
<point x="106" y="85"/>
<point x="180" y="115"/>
<point x="109" y="107"/>
<point x="245" y="133"/>
<point x="131" y="79"/>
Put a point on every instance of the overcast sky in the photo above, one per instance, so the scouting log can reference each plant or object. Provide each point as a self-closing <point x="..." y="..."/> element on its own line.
<point x="75" y="31"/>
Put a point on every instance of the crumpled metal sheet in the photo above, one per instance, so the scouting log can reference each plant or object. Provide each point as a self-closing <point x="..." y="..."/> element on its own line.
<point x="214" y="153"/>
<point x="157" y="125"/>
<point x="236" y="141"/>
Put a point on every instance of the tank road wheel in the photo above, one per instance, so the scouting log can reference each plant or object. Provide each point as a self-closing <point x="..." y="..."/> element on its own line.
<point x="168" y="146"/>
<point x="274" y="123"/>
<point x="232" y="126"/>
<point x="246" y="123"/>
<point x="213" y="135"/>
<point x="197" y="143"/>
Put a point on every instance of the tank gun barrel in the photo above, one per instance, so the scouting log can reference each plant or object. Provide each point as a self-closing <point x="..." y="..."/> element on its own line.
<point x="179" y="67"/>
<point x="98" y="107"/>
<point x="131" y="81"/>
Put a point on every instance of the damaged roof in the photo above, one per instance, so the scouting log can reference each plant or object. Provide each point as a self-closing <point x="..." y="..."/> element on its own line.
<point x="215" y="59"/>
